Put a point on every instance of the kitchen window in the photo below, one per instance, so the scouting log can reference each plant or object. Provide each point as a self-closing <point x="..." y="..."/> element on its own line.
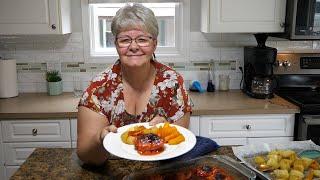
<point x="173" y="21"/>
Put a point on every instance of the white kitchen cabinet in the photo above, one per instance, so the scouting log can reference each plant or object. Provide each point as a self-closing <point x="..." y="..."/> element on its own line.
<point x="242" y="16"/>
<point x="74" y="133"/>
<point x="17" y="153"/>
<point x="10" y="170"/>
<point x="246" y="129"/>
<point x="22" y="137"/>
<point x="35" y="130"/>
<point x="194" y="125"/>
<point x="35" y="17"/>
<point x="2" y="171"/>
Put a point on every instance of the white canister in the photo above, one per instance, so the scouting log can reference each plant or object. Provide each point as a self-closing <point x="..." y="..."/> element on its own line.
<point x="8" y="78"/>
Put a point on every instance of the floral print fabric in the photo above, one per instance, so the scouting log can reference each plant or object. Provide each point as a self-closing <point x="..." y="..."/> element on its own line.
<point x="168" y="99"/>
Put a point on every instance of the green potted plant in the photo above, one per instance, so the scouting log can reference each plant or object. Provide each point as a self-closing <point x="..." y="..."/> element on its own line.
<point x="54" y="83"/>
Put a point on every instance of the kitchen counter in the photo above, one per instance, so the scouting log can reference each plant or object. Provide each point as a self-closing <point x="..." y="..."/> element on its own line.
<point x="40" y="105"/>
<point x="58" y="163"/>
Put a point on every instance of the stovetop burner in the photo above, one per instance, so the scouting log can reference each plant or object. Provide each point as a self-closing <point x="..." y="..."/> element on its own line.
<point x="301" y="90"/>
<point x="307" y="97"/>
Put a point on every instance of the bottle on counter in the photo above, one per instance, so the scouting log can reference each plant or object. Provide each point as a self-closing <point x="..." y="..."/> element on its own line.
<point x="210" y="86"/>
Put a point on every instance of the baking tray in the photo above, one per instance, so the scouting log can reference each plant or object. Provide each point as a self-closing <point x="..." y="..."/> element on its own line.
<point x="246" y="153"/>
<point x="232" y="167"/>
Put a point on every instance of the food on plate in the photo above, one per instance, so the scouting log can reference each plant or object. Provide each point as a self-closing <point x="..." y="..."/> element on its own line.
<point x="131" y="134"/>
<point x="149" y="144"/>
<point x="203" y="172"/>
<point x="287" y="165"/>
<point x="150" y="141"/>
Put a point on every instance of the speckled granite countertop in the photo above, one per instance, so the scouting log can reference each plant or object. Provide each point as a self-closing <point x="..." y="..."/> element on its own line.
<point x="40" y="105"/>
<point x="58" y="163"/>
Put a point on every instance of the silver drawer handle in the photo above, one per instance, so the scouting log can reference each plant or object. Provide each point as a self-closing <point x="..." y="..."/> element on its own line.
<point x="34" y="132"/>
<point x="248" y="127"/>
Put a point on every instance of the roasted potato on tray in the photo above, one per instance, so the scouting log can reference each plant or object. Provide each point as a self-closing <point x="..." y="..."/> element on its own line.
<point x="286" y="165"/>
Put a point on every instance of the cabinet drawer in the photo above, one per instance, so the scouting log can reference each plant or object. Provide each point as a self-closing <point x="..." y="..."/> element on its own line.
<point x="17" y="153"/>
<point x="247" y="126"/>
<point x="36" y="130"/>
<point x="270" y="140"/>
<point x="231" y="141"/>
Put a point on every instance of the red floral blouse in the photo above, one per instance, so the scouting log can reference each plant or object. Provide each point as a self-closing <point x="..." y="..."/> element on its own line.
<point x="168" y="99"/>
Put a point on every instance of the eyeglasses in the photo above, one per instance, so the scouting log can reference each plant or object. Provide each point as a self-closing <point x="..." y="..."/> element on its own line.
<point x="142" y="41"/>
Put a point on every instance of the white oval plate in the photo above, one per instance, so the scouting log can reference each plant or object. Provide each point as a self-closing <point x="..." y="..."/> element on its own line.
<point x="113" y="144"/>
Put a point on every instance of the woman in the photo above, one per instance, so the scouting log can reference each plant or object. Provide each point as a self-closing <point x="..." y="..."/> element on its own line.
<point x="135" y="89"/>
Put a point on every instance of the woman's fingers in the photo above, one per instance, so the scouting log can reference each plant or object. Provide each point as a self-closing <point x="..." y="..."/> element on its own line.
<point x="112" y="128"/>
<point x="157" y="120"/>
<point x="106" y="130"/>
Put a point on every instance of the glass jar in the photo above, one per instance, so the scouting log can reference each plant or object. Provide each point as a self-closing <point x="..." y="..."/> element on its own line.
<point x="224" y="81"/>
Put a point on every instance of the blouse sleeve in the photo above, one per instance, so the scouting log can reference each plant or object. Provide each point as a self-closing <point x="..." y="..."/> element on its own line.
<point x="90" y="97"/>
<point x="180" y="102"/>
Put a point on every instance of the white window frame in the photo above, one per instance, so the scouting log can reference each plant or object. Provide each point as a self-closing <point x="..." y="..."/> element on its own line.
<point x="164" y="54"/>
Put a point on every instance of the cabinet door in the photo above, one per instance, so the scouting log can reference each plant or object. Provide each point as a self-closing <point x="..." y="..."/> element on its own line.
<point x="73" y="133"/>
<point x="36" y="130"/>
<point x="243" y="16"/>
<point x="1" y="151"/>
<point x="9" y="171"/>
<point x="270" y="140"/>
<point x="2" y="172"/>
<point x="17" y="153"/>
<point x="194" y="125"/>
<point x="33" y="16"/>
<point x="231" y="141"/>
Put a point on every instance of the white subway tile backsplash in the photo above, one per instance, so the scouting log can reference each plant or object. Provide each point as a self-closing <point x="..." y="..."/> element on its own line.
<point x="58" y="50"/>
<point x="31" y="77"/>
<point x="32" y="87"/>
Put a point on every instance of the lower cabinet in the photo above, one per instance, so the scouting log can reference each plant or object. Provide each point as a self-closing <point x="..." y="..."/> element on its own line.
<point x="9" y="171"/>
<point x="194" y="125"/>
<point x="22" y="137"/>
<point x="2" y="172"/>
<point x="74" y="133"/>
<point x="246" y="129"/>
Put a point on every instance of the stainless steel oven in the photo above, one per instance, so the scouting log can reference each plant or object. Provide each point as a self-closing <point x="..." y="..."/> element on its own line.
<point x="309" y="128"/>
<point x="304" y="91"/>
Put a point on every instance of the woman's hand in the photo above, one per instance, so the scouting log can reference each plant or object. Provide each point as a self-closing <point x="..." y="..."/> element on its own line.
<point x="157" y="120"/>
<point x="106" y="130"/>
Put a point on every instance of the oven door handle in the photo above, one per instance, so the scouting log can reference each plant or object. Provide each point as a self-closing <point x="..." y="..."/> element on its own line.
<point x="312" y="120"/>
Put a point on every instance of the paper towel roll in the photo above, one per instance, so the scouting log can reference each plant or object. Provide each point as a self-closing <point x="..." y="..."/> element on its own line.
<point x="8" y="78"/>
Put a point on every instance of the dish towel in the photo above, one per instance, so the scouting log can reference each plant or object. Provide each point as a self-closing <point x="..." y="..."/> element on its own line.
<point x="203" y="146"/>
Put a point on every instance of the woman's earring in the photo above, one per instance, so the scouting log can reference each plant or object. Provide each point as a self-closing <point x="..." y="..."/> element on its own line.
<point x="153" y="56"/>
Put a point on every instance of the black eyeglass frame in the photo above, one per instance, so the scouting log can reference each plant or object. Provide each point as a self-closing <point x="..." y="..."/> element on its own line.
<point x="133" y="39"/>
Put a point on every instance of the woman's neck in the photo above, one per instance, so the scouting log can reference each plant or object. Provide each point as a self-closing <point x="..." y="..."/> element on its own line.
<point x="138" y="77"/>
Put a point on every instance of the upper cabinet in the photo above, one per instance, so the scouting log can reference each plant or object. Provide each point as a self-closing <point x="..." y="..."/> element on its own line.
<point x="242" y="16"/>
<point x="35" y="17"/>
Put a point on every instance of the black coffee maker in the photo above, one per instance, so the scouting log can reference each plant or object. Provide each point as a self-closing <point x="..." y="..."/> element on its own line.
<point x="258" y="69"/>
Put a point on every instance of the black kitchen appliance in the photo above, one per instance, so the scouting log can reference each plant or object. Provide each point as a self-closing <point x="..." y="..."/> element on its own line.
<point x="304" y="91"/>
<point x="302" y="20"/>
<point x="258" y="69"/>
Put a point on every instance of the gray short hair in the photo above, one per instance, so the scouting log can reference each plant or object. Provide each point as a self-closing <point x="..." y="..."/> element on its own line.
<point x="132" y="16"/>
